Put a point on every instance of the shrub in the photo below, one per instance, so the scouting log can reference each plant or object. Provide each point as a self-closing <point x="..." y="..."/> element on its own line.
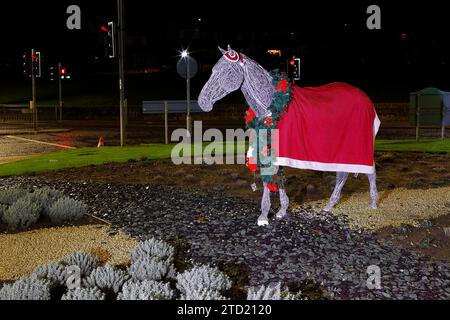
<point x="107" y="278"/>
<point x="54" y="272"/>
<point x="22" y="214"/>
<point x="85" y="261"/>
<point x="84" y="294"/>
<point x="66" y="209"/>
<point x="151" y="269"/>
<point x="286" y="295"/>
<point x="202" y="294"/>
<point x="152" y="248"/>
<point x="199" y="278"/>
<point x="10" y="196"/>
<point x="145" y="290"/>
<point x="45" y="198"/>
<point x="265" y="293"/>
<point x="26" y="289"/>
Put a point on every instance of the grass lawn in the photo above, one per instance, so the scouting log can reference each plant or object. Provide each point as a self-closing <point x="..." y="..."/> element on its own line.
<point x="430" y="146"/>
<point x="74" y="158"/>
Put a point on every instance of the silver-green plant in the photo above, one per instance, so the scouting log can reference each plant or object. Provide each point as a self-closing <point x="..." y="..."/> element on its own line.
<point x="151" y="269"/>
<point x="84" y="294"/>
<point x="66" y="209"/>
<point x="11" y="195"/>
<point x="286" y="295"/>
<point x="22" y="214"/>
<point x="145" y="290"/>
<point x="83" y="260"/>
<point x="200" y="278"/>
<point x="45" y="198"/>
<point x="152" y="248"/>
<point x="55" y="273"/>
<point x="106" y="278"/>
<point x="26" y="289"/>
<point x="202" y="294"/>
<point x="265" y="292"/>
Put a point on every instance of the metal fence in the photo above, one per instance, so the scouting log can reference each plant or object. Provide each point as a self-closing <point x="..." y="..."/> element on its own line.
<point x="15" y="117"/>
<point x="173" y="106"/>
<point x="394" y="116"/>
<point x="14" y="113"/>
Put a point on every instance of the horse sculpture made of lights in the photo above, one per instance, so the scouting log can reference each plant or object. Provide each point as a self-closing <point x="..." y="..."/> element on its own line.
<point x="327" y="128"/>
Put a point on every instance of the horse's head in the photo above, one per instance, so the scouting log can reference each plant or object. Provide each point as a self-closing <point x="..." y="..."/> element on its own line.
<point x="227" y="76"/>
<point x="234" y="71"/>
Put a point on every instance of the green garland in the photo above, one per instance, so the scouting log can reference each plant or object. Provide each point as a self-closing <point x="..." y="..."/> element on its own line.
<point x="280" y="102"/>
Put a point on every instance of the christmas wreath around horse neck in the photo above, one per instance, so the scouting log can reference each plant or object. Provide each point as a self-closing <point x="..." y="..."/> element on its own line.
<point x="259" y="148"/>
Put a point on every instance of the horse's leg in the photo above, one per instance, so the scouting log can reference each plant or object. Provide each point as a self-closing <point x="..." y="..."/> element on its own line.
<point x="341" y="179"/>
<point x="373" y="190"/>
<point x="263" y="219"/>
<point x="284" y="203"/>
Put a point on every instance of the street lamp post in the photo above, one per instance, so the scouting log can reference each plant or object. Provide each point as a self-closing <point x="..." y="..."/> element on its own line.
<point x="33" y="89"/>
<point x="120" y="28"/>
<point x="185" y="55"/>
<point x="187" y="68"/>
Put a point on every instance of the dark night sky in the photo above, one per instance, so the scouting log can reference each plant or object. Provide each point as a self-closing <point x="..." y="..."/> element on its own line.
<point x="36" y="21"/>
<point x="337" y="45"/>
<point x="33" y="17"/>
<point x="42" y="23"/>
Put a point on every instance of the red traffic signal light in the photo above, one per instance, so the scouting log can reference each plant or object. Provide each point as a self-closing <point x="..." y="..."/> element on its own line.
<point x="296" y="69"/>
<point x="293" y="68"/>
<point x="63" y="71"/>
<point x="111" y="40"/>
<point x="104" y="29"/>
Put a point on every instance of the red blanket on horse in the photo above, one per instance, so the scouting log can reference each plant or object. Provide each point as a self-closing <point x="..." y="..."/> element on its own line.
<point x="328" y="128"/>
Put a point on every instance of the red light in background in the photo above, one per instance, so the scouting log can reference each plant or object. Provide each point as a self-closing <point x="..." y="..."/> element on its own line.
<point x="292" y="62"/>
<point x="404" y="36"/>
<point x="63" y="71"/>
<point x="104" y="29"/>
<point x="65" y="138"/>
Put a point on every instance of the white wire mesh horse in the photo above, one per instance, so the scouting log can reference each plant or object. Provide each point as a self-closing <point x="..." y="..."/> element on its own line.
<point x="236" y="71"/>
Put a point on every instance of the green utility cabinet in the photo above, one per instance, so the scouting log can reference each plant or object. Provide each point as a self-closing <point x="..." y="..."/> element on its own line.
<point x="432" y="104"/>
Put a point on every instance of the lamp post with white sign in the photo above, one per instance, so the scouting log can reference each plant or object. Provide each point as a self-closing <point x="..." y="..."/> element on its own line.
<point x="187" y="68"/>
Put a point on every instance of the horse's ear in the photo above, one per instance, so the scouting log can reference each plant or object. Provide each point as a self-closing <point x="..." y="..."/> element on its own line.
<point x="230" y="55"/>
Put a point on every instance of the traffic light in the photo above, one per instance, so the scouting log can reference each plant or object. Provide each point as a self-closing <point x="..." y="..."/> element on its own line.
<point x="295" y="68"/>
<point x="52" y="73"/>
<point x="26" y="64"/>
<point x="110" y="39"/>
<point x="36" y="64"/>
<point x="32" y="64"/>
<point x="64" y="74"/>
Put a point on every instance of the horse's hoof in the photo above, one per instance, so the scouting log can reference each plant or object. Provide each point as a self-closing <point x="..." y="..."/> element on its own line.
<point x="373" y="206"/>
<point x="263" y="222"/>
<point x="281" y="214"/>
<point x="327" y="209"/>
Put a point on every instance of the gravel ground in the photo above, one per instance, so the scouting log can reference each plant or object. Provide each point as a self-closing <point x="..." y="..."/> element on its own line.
<point x="306" y="246"/>
<point x="23" y="252"/>
<point x="11" y="149"/>
<point x="396" y="207"/>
